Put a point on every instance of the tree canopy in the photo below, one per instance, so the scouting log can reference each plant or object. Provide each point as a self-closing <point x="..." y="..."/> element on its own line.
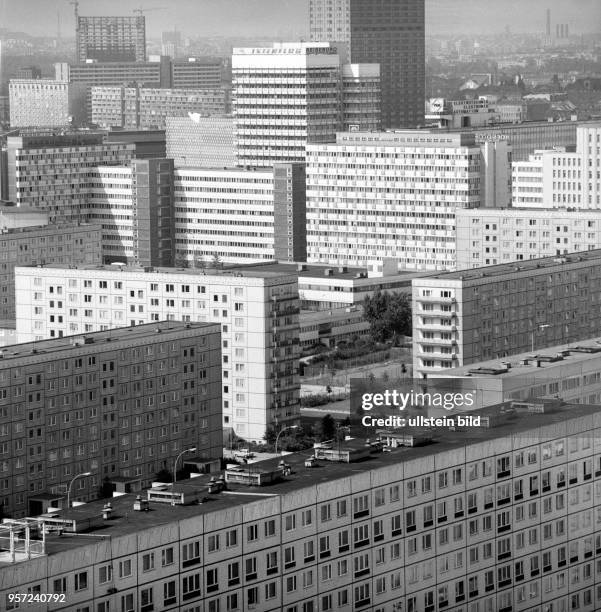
<point x="388" y="314"/>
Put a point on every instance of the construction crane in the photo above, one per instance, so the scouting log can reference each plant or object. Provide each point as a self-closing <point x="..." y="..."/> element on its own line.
<point x="140" y="11"/>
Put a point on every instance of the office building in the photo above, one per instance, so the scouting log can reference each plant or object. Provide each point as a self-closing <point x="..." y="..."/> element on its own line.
<point x="526" y="138"/>
<point x="569" y="371"/>
<point x="258" y="312"/>
<point x="361" y="96"/>
<point x="237" y="215"/>
<point x="115" y="74"/>
<point x="390" y="33"/>
<point x="60" y="184"/>
<point x="119" y="404"/>
<point x="171" y="43"/>
<point x="490" y="236"/>
<point x="46" y="103"/>
<point x="137" y="107"/>
<point x="499" y="519"/>
<point x="28" y="72"/>
<point x="30" y="246"/>
<point x="560" y="178"/>
<point x="134" y="206"/>
<point x="292" y="94"/>
<point x="197" y="73"/>
<point x="149" y="144"/>
<point x="201" y="141"/>
<point x="373" y="197"/>
<point x="110" y="39"/>
<point x="463" y="317"/>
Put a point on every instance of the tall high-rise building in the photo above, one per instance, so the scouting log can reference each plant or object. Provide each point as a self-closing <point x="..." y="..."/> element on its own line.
<point x="373" y="197"/>
<point x="387" y="32"/>
<point x="240" y="215"/>
<point x="111" y="39"/>
<point x="114" y="407"/>
<point x="51" y="171"/>
<point x="258" y="310"/>
<point x="492" y="312"/>
<point x="291" y="94"/>
<point x="548" y="30"/>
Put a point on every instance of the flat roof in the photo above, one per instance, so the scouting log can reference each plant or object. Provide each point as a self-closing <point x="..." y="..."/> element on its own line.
<point x="574" y="352"/>
<point x="100" y="338"/>
<point x="198" y="272"/>
<point x="125" y="520"/>
<point x="317" y="270"/>
<point x="530" y="265"/>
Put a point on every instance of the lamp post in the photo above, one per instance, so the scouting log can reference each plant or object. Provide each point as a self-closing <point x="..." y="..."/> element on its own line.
<point x="71" y="484"/>
<point x="188" y="450"/>
<point x="280" y="433"/>
<point x="540" y="327"/>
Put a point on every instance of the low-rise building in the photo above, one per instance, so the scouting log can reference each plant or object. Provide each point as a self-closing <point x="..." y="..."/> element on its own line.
<point x="490" y="236"/>
<point x="497" y="519"/>
<point x="13" y="217"/>
<point x="463" y="317"/>
<point x="258" y="311"/>
<point x="110" y="408"/>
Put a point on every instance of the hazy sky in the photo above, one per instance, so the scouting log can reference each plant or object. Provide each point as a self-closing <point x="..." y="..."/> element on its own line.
<point x="280" y="18"/>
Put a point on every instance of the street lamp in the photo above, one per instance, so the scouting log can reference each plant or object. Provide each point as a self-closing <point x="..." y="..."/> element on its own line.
<point x="280" y="433"/>
<point x="71" y="484"/>
<point x="540" y="327"/>
<point x="188" y="450"/>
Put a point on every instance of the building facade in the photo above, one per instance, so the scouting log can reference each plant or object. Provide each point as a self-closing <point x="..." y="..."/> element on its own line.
<point x="490" y="236"/>
<point x="59" y="185"/>
<point x="393" y="195"/>
<point x="569" y="371"/>
<point x="30" y="246"/>
<point x="291" y="94"/>
<point x="46" y="103"/>
<point x="390" y="33"/>
<point x="258" y="312"/>
<point x="137" y="107"/>
<point x="201" y="141"/>
<point x="500" y="521"/>
<point x="240" y="215"/>
<point x="120" y="404"/>
<point x="13" y="217"/>
<point x="559" y="178"/>
<point x="460" y="318"/>
<point x="110" y="39"/>
<point x="134" y="206"/>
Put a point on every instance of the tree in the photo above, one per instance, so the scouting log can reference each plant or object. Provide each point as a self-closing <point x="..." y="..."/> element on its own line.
<point x="388" y="314"/>
<point x="328" y="427"/>
<point x="164" y="475"/>
<point x="216" y="262"/>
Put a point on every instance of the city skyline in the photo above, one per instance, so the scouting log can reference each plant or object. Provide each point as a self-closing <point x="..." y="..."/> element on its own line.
<point x="273" y="18"/>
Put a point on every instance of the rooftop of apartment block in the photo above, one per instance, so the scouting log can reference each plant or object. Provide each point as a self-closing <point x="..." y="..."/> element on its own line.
<point x="407" y="138"/>
<point x="94" y="341"/>
<point x="316" y="270"/>
<point x="292" y="472"/>
<point x="522" y="364"/>
<point x="221" y="272"/>
<point x="553" y="263"/>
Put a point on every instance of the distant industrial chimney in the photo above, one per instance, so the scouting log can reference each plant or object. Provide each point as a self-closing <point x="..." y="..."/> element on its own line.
<point x="548" y="22"/>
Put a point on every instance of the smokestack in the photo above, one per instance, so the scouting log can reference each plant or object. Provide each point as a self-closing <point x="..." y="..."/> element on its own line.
<point x="548" y="22"/>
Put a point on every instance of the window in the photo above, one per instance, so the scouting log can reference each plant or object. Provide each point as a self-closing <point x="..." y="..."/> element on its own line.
<point x="146" y="600"/>
<point x="167" y="556"/>
<point x="125" y="568"/>
<point x="290" y="522"/>
<point x="213" y="543"/>
<point x="81" y="581"/>
<point x="190" y="554"/>
<point x="190" y="586"/>
<point x="105" y="574"/>
<point x="148" y="562"/>
<point x="269" y="528"/>
<point x="231" y="538"/>
<point x="59" y="585"/>
<point x="252" y="532"/>
<point x="169" y="596"/>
